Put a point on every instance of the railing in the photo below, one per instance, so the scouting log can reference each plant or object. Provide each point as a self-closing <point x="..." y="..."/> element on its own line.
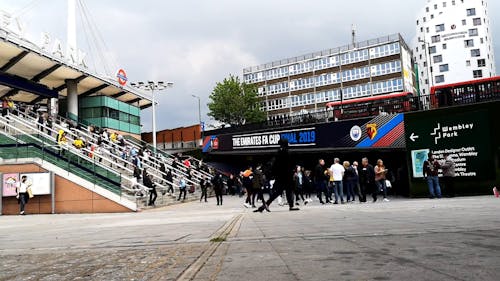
<point x="78" y="161"/>
<point x="107" y="155"/>
<point x="360" y="110"/>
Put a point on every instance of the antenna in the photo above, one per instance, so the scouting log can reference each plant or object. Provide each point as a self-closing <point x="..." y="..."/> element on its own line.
<point x="71" y="30"/>
<point x="353" y="29"/>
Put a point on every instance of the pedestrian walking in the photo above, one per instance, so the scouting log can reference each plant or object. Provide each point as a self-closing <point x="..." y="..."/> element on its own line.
<point x="218" y="187"/>
<point x="147" y="180"/>
<point x="22" y="194"/>
<point x="283" y="172"/>
<point x="170" y="179"/>
<point x="258" y="182"/>
<point x="247" y="176"/>
<point x="182" y="189"/>
<point x="203" y="187"/>
<point x="298" y="179"/>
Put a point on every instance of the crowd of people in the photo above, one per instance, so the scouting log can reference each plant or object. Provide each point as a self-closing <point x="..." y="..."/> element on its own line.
<point x="340" y="183"/>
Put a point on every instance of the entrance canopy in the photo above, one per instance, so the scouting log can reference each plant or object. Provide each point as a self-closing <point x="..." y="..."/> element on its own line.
<point x="31" y="74"/>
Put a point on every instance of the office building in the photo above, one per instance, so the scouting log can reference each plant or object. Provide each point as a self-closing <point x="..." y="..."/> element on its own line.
<point x="304" y="84"/>
<point x="453" y="43"/>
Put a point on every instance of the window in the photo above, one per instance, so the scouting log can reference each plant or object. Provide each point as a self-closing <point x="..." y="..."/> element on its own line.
<point x="476" y="21"/>
<point x="435" y="6"/>
<point x="481" y="63"/>
<point x="432" y="16"/>
<point x="482" y="40"/>
<point x="427" y="29"/>
<point x="445" y="46"/>
<point x="438" y="58"/>
<point x="424" y="19"/>
<point x="443" y="68"/>
<point x="467" y="63"/>
<point x="475" y="53"/>
<point x="432" y="50"/>
<point x="427" y="9"/>
<point x="471" y="12"/>
<point x="453" y="2"/>
<point x="436" y="38"/>
<point x="469" y="43"/>
<point x="477" y="73"/>
<point x="473" y="32"/>
<point x="440" y="28"/>
<point x="464" y="22"/>
<point x="439" y="79"/>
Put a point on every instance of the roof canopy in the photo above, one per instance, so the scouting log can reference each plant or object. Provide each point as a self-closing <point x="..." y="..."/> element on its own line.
<point x="30" y="74"/>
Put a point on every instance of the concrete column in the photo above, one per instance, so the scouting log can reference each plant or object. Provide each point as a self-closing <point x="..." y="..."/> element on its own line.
<point x="72" y="90"/>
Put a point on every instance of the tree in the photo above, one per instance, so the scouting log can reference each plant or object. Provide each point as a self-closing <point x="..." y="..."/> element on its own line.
<point x="235" y="103"/>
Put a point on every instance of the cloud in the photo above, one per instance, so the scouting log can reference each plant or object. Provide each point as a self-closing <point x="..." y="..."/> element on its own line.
<point x="194" y="69"/>
<point x="196" y="43"/>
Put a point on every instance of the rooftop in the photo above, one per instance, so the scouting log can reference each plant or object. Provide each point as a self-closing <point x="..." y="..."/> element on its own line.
<point x="333" y="51"/>
<point x="30" y="74"/>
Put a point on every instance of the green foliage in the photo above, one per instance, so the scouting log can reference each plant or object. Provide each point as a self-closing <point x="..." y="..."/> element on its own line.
<point x="235" y="103"/>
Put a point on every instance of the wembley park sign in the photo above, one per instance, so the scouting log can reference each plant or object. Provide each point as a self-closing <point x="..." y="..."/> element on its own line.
<point x="53" y="46"/>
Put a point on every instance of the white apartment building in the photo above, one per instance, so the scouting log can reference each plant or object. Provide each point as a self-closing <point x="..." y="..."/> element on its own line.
<point x="453" y="43"/>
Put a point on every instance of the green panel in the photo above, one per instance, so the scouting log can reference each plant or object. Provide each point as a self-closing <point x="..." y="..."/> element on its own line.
<point x="112" y="124"/>
<point x="135" y="129"/>
<point x="124" y="126"/>
<point x="135" y="110"/>
<point x="91" y="102"/>
<point x="95" y="121"/>
<point x="123" y="107"/>
<point x="110" y="102"/>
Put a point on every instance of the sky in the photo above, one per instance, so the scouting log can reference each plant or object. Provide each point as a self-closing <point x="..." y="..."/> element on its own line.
<point x="197" y="43"/>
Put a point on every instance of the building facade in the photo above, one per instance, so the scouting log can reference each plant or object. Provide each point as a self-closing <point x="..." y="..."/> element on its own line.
<point x="453" y="43"/>
<point x="304" y="84"/>
<point x="106" y="112"/>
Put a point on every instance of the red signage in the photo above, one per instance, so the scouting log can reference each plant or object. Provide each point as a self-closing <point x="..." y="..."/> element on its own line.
<point x="122" y="77"/>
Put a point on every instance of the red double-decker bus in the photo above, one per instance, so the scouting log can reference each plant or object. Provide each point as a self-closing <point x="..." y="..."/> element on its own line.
<point x="373" y="105"/>
<point x="466" y="92"/>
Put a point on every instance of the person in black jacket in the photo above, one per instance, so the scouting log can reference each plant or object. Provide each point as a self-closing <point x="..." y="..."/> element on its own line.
<point x="170" y="179"/>
<point x="218" y="187"/>
<point x="367" y="180"/>
<point x="320" y="179"/>
<point x="203" y="187"/>
<point x="282" y="170"/>
<point x="148" y="182"/>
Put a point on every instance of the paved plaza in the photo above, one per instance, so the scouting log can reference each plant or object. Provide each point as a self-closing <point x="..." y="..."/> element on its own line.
<point x="405" y="239"/>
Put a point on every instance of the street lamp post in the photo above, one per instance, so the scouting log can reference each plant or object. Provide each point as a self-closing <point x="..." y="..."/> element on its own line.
<point x="199" y="112"/>
<point x="153" y="86"/>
